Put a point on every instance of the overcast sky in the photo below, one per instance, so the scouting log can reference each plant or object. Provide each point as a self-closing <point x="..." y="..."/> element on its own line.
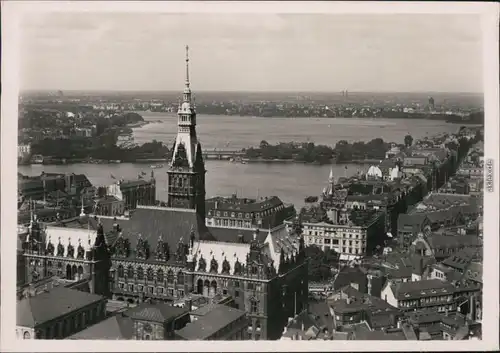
<point x="252" y="52"/>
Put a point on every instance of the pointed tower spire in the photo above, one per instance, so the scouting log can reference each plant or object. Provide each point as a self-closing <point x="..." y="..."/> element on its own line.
<point x="187" y="66"/>
<point x="187" y="159"/>
<point x="330" y="177"/>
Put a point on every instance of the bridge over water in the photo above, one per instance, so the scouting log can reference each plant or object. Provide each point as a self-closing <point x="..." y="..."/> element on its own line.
<point x="223" y="153"/>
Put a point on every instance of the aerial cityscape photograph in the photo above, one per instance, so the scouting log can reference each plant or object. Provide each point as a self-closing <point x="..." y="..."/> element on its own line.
<point x="263" y="177"/>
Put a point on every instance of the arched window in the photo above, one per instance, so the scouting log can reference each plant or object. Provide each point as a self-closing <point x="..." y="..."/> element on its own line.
<point x="27" y="335"/>
<point x="180" y="278"/>
<point x="170" y="276"/>
<point x="121" y="272"/>
<point x="80" y="272"/>
<point x="130" y="272"/>
<point x="140" y="273"/>
<point x="150" y="274"/>
<point x="160" y="275"/>
<point x="213" y="288"/>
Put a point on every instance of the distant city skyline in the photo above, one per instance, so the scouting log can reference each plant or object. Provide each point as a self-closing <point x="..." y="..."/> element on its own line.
<point x="252" y="52"/>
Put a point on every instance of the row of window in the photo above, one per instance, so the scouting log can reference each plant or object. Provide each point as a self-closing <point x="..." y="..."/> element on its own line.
<point x="185" y="118"/>
<point x="132" y="288"/>
<point x="262" y="214"/>
<point x="335" y="234"/>
<point x="333" y="230"/>
<point x="150" y="274"/>
<point x="427" y="300"/>
<point x="343" y="242"/>
<point x="233" y="223"/>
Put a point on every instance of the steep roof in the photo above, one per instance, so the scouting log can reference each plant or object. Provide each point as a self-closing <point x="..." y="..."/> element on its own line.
<point x="33" y="311"/>
<point x="173" y="225"/>
<point x="207" y="325"/>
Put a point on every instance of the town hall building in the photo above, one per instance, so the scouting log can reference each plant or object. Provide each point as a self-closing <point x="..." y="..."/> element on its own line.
<point x="162" y="254"/>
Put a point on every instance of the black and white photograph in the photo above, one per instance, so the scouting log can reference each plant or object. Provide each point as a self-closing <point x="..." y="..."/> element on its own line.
<point x="238" y="175"/>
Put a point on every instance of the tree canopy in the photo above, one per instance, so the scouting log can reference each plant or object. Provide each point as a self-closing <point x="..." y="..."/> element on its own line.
<point x="321" y="263"/>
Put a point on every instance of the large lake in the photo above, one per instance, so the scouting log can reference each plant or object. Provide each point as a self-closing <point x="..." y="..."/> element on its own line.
<point x="291" y="182"/>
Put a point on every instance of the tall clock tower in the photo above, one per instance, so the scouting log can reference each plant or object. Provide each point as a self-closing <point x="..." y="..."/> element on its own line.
<point x="186" y="175"/>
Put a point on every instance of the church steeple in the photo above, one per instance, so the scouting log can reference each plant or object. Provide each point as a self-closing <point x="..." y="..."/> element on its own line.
<point x="328" y="191"/>
<point x="186" y="176"/>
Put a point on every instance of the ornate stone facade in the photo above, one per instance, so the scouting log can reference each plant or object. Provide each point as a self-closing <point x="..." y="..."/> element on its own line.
<point x="77" y="254"/>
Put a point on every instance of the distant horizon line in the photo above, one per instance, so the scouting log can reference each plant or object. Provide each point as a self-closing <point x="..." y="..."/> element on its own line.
<point x="241" y="91"/>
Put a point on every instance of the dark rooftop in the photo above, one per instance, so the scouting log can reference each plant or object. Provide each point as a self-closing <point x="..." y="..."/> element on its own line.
<point x="419" y="289"/>
<point x="47" y="306"/>
<point x="155" y="312"/>
<point x="117" y="327"/>
<point x="207" y="325"/>
<point x="231" y="235"/>
<point x="172" y="225"/>
<point x="243" y="205"/>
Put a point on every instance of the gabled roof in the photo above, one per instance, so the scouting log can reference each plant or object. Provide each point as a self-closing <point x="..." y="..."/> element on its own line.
<point x="159" y="313"/>
<point x="60" y="301"/>
<point x="117" y="327"/>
